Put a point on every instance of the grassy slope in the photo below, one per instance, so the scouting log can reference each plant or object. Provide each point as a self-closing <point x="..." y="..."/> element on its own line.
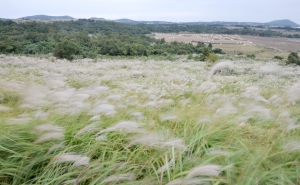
<point x="243" y="121"/>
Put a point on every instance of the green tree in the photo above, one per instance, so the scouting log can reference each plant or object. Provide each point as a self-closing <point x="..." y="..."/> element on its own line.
<point x="66" y="49"/>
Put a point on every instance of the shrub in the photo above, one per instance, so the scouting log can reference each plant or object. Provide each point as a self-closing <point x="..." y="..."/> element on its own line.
<point x="252" y="56"/>
<point x="293" y="58"/>
<point x="278" y="57"/>
<point x="213" y="57"/>
<point x="218" y="51"/>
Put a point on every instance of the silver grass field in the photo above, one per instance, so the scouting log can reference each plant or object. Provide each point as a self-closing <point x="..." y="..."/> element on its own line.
<point x="135" y="121"/>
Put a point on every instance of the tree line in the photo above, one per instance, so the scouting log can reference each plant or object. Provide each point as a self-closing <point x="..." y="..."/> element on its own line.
<point x="89" y="38"/>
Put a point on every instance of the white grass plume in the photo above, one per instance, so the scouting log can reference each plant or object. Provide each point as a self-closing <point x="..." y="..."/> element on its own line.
<point x="171" y="118"/>
<point x="207" y="87"/>
<point x="225" y="110"/>
<point x="89" y="128"/>
<point x="4" y="108"/>
<point x="119" y="178"/>
<point x="56" y="147"/>
<point x="95" y="118"/>
<point x="19" y="121"/>
<point x="150" y="139"/>
<point x="292" y="146"/>
<point x="124" y="126"/>
<point x="205" y="170"/>
<point x="293" y="93"/>
<point x="48" y="128"/>
<point x="51" y="136"/>
<point x="106" y="109"/>
<point x="157" y="140"/>
<point x="79" y="160"/>
<point x="183" y="181"/>
<point x="166" y="166"/>
<point x="221" y="67"/>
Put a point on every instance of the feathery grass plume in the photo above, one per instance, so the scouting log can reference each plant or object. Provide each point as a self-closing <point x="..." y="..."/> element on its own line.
<point x="101" y="138"/>
<point x="168" y="118"/>
<point x="253" y="93"/>
<point x="95" y="118"/>
<point x="205" y="170"/>
<point x="292" y="146"/>
<point x="166" y="166"/>
<point x="276" y="100"/>
<point x="225" y="110"/>
<point x="61" y="96"/>
<point x="124" y="126"/>
<point x="4" y="108"/>
<point x="207" y="87"/>
<point x="106" y="109"/>
<point x="291" y="124"/>
<point x="165" y="102"/>
<point x="149" y="139"/>
<point x="138" y="115"/>
<point x="50" y="137"/>
<point x="79" y="160"/>
<point x="176" y="143"/>
<point x="203" y="120"/>
<point x="41" y="115"/>
<point x="157" y="140"/>
<point x="119" y="178"/>
<point x="259" y="111"/>
<point x="48" y="128"/>
<point x="56" y="147"/>
<point x="293" y="93"/>
<point x="114" y="97"/>
<point x="183" y="181"/>
<point x="178" y="181"/>
<point x="89" y="128"/>
<point x="221" y="67"/>
<point x="18" y="121"/>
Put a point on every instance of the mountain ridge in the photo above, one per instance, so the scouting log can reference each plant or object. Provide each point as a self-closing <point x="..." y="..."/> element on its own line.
<point x="283" y="22"/>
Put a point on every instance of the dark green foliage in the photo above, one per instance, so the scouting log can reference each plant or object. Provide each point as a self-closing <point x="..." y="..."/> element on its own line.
<point x="218" y="51"/>
<point x="293" y="58"/>
<point x="252" y="56"/>
<point x="278" y="57"/>
<point x="66" y="49"/>
<point x="87" y="39"/>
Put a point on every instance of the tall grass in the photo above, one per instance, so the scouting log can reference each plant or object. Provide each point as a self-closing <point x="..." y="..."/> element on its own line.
<point x="153" y="122"/>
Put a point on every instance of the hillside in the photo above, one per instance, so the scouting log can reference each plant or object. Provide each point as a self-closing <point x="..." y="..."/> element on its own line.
<point x="284" y="22"/>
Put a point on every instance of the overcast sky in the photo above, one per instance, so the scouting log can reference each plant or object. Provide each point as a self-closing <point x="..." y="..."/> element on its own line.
<point x="162" y="10"/>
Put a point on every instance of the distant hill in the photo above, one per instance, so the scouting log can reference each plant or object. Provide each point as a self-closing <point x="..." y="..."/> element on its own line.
<point x="97" y="19"/>
<point x="47" y="17"/>
<point x="284" y="22"/>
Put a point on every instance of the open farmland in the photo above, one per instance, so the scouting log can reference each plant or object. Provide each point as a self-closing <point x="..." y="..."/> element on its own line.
<point x="148" y="122"/>
<point x="265" y="47"/>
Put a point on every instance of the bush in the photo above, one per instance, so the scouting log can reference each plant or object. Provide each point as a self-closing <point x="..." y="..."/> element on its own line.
<point x="278" y="57"/>
<point x="218" y="51"/>
<point x="252" y="56"/>
<point x="293" y="58"/>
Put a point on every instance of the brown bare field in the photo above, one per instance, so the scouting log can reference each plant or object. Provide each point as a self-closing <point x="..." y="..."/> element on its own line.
<point x="264" y="47"/>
